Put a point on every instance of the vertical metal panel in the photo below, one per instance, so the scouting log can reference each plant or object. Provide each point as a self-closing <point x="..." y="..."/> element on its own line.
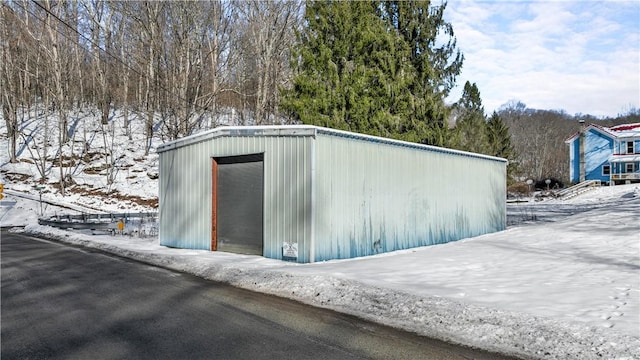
<point x="185" y="190"/>
<point x="375" y="197"/>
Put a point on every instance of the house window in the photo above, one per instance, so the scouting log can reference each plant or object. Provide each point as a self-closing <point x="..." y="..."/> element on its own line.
<point x="630" y="148"/>
<point x="629" y="168"/>
<point x="606" y="169"/>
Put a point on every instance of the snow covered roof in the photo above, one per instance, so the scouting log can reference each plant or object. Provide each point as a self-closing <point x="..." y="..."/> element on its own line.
<point x="616" y="132"/>
<point x="626" y="130"/>
<point x="616" y="158"/>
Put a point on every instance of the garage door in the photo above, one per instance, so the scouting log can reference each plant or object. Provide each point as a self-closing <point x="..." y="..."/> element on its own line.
<point x="237" y="204"/>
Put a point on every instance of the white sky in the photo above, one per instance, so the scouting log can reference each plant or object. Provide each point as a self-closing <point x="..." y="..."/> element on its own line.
<point x="577" y="56"/>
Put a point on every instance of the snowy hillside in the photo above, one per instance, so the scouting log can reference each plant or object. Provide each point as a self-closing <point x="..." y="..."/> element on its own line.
<point x="561" y="283"/>
<point x="128" y="185"/>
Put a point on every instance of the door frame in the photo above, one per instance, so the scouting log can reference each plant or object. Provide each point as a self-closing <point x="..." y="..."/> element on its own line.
<point x="214" y="190"/>
<point x="214" y="204"/>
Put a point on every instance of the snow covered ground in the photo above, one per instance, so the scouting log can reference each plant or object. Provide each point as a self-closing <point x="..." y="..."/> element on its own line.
<point x="565" y="286"/>
<point x="109" y="170"/>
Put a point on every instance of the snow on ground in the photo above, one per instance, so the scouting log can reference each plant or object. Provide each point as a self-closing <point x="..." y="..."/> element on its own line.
<point x="562" y="284"/>
<point x="99" y="160"/>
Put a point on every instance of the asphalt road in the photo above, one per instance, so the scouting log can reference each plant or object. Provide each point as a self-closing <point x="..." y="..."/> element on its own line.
<point x="65" y="302"/>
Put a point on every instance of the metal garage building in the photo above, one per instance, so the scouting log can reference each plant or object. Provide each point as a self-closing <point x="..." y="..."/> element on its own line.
<point x="306" y="193"/>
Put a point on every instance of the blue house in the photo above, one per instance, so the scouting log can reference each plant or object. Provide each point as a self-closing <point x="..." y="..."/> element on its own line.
<point x="611" y="155"/>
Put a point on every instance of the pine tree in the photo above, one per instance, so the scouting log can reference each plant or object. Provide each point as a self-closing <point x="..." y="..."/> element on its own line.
<point x="499" y="142"/>
<point x="434" y="67"/>
<point x="340" y="83"/>
<point x="470" y="133"/>
<point x="373" y="67"/>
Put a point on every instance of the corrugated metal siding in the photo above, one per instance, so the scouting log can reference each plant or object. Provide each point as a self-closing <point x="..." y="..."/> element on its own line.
<point x="373" y="197"/>
<point x="185" y="191"/>
<point x="185" y="197"/>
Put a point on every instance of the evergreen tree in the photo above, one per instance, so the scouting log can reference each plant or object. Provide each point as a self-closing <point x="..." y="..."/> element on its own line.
<point x="341" y="80"/>
<point x="434" y="66"/>
<point x="499" y="142"/>
<point x="470" y="133"/>
<point x="374" y="67"/>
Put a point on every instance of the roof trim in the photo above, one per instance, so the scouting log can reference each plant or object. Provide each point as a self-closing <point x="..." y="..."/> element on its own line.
<point x="625" y="127"/>
<point x="601" y="129"/>
<point x="307" y="130"/>
<point x="260" y="130"/>
<point x="615" y="132"/>
<point x="621" y="158"/>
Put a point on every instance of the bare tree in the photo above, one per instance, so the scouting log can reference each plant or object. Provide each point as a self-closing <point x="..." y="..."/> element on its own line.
<point x="218" y="53"/>
<point x="99" y="16"/>
<point x="268" y="34"/>
<point x="40" y="137"/>
<point x="53" y="41"/>
<point x="50" y="41"/>
<point x="10" y="76"/>
<point x="184" y="65"/>
<point x="538" y="137"/>
<point x="124" y="46"/>
<point x="53" y="47"/>
<point x="148" y="23"/>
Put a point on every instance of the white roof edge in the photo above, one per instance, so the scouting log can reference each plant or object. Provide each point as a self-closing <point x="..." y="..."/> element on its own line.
<point x="270" y="130"/>
<point x="306" y="130"/>
<point x="616" y="158"/>
<point x="389" y="141"/>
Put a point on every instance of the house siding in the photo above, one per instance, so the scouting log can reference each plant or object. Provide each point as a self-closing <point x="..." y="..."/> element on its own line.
<point x="574" y="158"/>
<point x="598" y="150"/>
<point x="621" y="146"/>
